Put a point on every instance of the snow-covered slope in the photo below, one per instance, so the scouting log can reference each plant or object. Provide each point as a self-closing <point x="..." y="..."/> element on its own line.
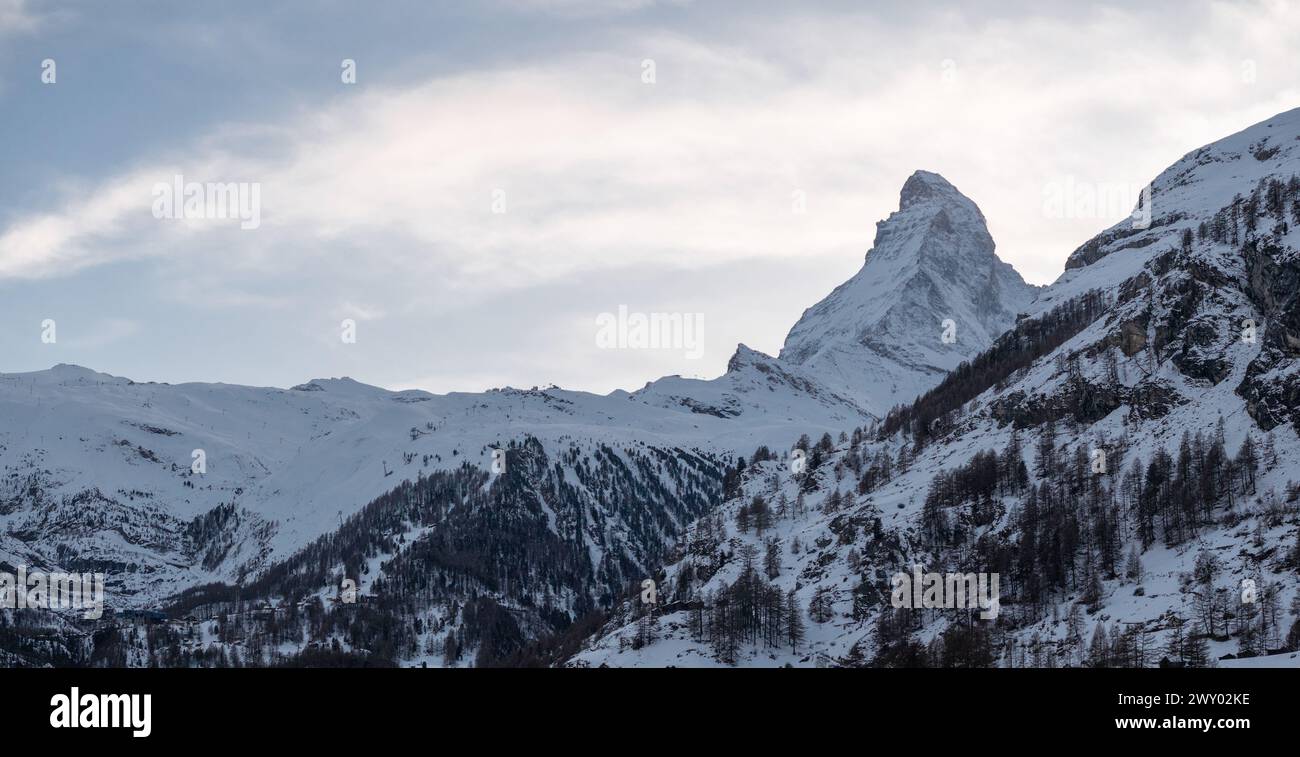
<point x="931" y="294"/>
<point x="772" y="393"/>
<point x="1124" y="460"/>
<point x="99" y="467"/>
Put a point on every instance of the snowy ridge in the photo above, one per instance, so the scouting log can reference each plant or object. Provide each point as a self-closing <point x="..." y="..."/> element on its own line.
<point x="758" y="385"/>
<point x="295" y="462"/>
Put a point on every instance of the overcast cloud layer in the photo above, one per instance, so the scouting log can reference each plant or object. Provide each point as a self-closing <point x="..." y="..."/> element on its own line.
<point x="378" y="198"/>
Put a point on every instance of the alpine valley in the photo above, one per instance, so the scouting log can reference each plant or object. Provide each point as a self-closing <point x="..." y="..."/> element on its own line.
<point x="1116" y="448"/>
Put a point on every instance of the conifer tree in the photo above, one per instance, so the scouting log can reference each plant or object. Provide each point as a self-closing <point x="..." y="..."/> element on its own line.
<point x="772" y="559"/>
<point x="1099" y="648"/>
<point x="1133" y="566"/>
<point x="794" y="628"/>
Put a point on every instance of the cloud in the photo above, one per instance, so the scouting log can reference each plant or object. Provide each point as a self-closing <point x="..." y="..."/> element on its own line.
<point x="594" y="167"/>
<point x="101" y="333"/>
<point x="16" y="17"/>
<point x="382" y="199"/>
<point x="63" y="241"/>
<point x="587" y="8"/>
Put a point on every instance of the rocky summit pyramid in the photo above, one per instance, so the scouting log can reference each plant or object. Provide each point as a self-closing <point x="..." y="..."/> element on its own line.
<point x="931" y="294"/>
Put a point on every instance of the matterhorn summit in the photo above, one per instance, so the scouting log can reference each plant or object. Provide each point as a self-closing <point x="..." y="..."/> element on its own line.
<point x="931" y="294"/>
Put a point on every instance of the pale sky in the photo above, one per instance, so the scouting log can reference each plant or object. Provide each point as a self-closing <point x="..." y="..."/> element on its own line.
<point x="675" y="195"/>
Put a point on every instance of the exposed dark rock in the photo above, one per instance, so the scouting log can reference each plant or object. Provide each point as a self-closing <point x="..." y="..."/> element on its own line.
<point x="1273" y="285"/>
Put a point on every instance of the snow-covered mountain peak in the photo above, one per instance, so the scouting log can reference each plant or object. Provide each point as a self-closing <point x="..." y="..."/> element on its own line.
<point x="930" y="294"/>
<point x="70" y="369"/>
<point x="744" y="356"/>
<point x="321" y="384"/>
<point x="67" y="373"/>
<point x="757" y="386"/>
<point x="346" y="388"/>
<point x="927" y="187"/>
